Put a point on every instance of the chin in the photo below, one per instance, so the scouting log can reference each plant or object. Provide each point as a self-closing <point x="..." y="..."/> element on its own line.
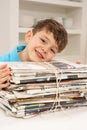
<point x="35" y="60"/>
<point x="38" y="60"/>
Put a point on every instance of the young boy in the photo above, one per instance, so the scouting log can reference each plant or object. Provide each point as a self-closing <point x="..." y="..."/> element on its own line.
<point x="46" y="39"/>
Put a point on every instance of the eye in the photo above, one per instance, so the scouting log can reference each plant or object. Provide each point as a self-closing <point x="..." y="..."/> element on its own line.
<point x="53" y="51"/>
<point x="42" y="40"/>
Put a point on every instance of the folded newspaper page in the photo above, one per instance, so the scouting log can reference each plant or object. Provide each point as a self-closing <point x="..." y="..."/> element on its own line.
<point x="38" y="87"/>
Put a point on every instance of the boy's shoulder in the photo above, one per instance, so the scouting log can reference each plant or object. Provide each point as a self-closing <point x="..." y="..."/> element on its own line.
<point x="13" y="55"/>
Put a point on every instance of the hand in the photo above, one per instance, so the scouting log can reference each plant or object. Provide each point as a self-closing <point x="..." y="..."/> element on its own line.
<point x="78" y="62"/>
<point x="4" y="76"/>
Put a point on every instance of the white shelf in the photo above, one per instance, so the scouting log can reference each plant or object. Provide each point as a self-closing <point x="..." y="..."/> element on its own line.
<point x="65" y="3"/>
<point x="23" y="30"/>
<point x="70" y="31"/>
<point x="74" y="31"/>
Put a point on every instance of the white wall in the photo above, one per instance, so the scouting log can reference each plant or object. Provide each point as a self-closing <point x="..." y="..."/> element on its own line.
<point x="85" y="34"/>
<point x="4" y="26"/>
<point x="8" y="25"/>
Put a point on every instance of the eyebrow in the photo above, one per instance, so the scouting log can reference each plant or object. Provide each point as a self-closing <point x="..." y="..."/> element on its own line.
<point x="46" y="37"/>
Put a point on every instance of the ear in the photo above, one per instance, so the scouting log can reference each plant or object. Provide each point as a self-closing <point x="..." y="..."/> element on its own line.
<point x="28" y="35"/>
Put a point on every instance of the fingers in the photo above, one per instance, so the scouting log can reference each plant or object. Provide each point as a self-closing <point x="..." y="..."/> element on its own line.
<point x="4" y="76"/>
<point x="78" y="62"/>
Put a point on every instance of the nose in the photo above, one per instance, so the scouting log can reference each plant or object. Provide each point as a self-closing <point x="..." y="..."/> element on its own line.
<point x="45" y="49"/>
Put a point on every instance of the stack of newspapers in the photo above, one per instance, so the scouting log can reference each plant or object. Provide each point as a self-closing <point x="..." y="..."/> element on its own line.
<point x="38" y="87"/>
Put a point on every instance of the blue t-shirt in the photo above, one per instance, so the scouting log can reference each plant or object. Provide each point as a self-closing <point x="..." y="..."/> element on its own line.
<point x="13" y="55"/>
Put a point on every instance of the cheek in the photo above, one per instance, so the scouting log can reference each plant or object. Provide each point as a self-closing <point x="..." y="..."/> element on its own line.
<point x="34" y="44"/>
<point x="49" y="57"/>
<point x="31" y="45"/>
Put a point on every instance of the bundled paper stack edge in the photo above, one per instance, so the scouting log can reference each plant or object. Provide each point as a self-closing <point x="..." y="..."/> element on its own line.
<point x="38" y="87"/>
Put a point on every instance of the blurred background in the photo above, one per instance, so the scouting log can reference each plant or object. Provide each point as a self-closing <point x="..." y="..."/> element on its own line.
<point x="18" y="16"/>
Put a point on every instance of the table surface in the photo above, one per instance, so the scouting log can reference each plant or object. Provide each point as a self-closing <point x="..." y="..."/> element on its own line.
<point x="71" y="119"/>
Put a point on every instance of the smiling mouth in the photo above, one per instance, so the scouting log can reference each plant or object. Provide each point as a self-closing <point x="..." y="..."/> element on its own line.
<point x="39" y="55"/>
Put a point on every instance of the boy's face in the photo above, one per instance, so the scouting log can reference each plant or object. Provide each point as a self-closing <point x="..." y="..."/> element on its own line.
<point x="41" y="47"/>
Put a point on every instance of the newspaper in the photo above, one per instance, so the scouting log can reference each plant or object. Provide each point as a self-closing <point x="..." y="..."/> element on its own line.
<point x="38" y="87"/>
